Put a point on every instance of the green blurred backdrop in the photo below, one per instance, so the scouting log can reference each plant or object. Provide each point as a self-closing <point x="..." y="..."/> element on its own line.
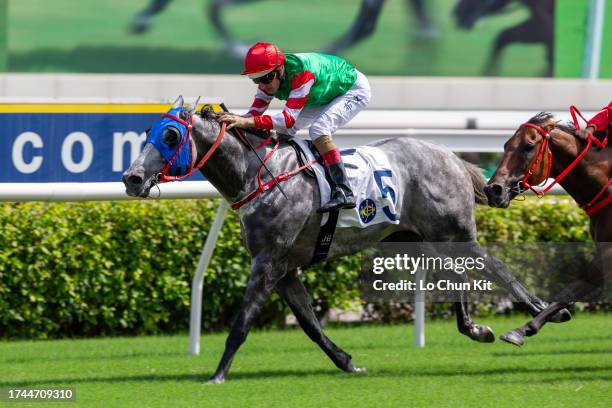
<point x="93" y="36"/>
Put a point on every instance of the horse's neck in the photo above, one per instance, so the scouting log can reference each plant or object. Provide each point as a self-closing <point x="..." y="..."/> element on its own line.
<point x="232" y="168"/>
<point x="226" y="168"/>
<point x="580" y="183"/>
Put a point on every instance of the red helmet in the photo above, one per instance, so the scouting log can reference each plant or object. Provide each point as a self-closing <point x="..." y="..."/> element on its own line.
<point x="261" y="59"/>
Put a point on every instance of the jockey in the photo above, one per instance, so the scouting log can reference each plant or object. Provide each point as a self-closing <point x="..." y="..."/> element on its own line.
<point x="323" y="93"/>
<point x="600" y="125"/>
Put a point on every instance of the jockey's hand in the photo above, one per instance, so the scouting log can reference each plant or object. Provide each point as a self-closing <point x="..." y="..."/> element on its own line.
<point x="584" y="133"/>
<point x="234" y="120"/>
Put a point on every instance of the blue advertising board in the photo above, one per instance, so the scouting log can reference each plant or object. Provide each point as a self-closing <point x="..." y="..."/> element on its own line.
<point x="73" y="143"/>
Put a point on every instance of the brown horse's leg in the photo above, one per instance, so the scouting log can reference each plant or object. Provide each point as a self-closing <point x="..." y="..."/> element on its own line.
<point x="294" y="293"/>
<point x="588" y="286"/>
<point x="496" y="271"/>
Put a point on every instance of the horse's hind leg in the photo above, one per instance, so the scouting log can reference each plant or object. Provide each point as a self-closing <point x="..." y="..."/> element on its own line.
<point x="263" y="277"/>
<point x="466" y="326"/>
<point x="294" y="293"/>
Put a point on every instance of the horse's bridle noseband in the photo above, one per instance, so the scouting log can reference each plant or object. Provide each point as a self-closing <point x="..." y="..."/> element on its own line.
<point x="544" y="147"/>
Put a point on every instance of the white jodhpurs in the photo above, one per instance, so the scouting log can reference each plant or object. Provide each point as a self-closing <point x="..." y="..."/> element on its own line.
<point x="325" y="120"/>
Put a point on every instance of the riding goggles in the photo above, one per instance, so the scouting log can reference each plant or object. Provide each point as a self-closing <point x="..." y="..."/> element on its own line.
<point x="266" y="79"/>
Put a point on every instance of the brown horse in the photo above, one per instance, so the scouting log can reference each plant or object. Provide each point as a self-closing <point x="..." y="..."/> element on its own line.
<point x="543" y="148"/>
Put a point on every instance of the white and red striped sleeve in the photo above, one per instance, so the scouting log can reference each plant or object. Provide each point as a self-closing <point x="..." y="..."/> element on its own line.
<point x="261" y="103"/>
<point x="300" y="89"/>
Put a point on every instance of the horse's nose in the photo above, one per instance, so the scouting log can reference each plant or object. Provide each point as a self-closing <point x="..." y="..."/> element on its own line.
<point x="132" y="180"/>
<point x="494" y="194"/>
<point x="494" y="190"/>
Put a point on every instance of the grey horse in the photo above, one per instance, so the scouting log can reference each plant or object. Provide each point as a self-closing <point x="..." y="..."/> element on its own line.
<point x="436" y="204"/>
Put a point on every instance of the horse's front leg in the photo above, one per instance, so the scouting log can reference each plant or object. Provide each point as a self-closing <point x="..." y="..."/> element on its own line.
<point x="294" y="293"/>
<point x="264" y="275"/>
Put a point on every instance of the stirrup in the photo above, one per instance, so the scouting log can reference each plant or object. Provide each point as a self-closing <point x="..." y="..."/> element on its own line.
<point x="338" y="202"/>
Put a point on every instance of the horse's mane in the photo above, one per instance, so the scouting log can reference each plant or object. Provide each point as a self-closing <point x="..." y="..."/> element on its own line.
<point x="545" y="116"/>
<point x="209" y="115"/>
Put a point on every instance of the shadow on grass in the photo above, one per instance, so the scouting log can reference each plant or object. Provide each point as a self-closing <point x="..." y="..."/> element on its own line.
<point x="271" y="374"/>
<point x="135" y="59"/>
<point x="553" y="380"/>
<point x="65" y="357"/>
<point x="549" y="353"/>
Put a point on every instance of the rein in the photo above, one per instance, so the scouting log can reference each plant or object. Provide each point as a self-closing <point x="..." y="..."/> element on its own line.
<point x="263" y="187"/>
<point x="164" y="177"/>
<point x="593" y="206"/>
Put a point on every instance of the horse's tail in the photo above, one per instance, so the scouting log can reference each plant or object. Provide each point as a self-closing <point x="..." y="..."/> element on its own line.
<point x="478" y="182"/>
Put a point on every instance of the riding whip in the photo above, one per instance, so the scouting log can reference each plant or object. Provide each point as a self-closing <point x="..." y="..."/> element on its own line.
<point x="246" y="141"/>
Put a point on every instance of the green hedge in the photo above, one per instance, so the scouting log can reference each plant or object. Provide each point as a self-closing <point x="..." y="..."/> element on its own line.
<point x="115" y="268"/>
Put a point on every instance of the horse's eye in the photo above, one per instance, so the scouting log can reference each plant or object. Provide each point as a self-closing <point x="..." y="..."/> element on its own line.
<point x="529" y="147"/>
<point x="171" y="136"/>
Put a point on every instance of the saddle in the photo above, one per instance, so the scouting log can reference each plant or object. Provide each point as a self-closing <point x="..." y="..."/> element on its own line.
<point x="371" y="178"/>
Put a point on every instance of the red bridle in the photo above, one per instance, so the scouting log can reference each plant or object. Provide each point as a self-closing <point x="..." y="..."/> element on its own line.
<point x="593" y="206"/>
<point x="163" y="177"/>
<point x="544" y="147"/>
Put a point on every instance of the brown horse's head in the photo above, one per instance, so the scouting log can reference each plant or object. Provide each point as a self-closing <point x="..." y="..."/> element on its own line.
<point x="525" y="152"/>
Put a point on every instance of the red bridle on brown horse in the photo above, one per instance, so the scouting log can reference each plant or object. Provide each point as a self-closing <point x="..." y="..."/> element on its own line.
<point x="597" y="203"/>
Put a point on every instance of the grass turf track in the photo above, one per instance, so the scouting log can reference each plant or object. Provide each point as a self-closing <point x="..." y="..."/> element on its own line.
<point x="566" y="365"/>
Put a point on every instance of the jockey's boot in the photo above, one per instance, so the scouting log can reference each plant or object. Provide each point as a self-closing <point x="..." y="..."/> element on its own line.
<point x="341" y="193"/>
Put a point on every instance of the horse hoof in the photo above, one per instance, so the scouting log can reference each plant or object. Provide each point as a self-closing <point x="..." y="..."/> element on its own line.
<point x="481" y="334"/>
<point x="359" y="370"/>
<point x="561" y="316"/>
<point x="140" y="25"/>
<point x="356" y="370"/>
<point x="513" y="337"/>
<point x="215" y="380"/>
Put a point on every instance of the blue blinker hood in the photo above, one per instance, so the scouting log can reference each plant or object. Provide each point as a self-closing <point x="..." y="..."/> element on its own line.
<point x="182" y="162"/>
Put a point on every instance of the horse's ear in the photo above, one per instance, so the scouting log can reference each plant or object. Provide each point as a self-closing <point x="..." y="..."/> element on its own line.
<point x="178" y="103"/>
<point x="193" y="107"/>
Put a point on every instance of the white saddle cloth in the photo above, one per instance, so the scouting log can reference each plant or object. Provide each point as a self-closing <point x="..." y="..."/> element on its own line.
<point x="372" y="181"/>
